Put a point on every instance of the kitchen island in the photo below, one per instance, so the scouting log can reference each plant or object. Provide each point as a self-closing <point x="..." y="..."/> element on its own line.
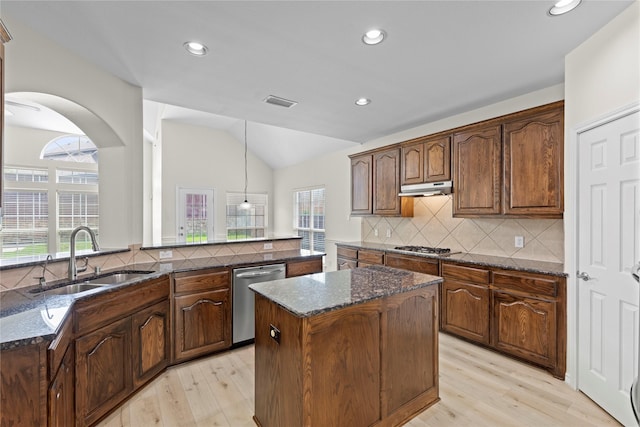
<point x="355" y="347"/>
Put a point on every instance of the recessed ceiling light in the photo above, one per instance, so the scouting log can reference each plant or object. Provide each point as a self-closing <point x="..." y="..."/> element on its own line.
<point x="374" y="36"/>
<point x="195" y="48"/>
<point x="363" y="101"/>
<point x="563" y="6"/>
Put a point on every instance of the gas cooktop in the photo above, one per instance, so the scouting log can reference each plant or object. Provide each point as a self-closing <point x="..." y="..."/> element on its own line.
<point x="426" y="250"/>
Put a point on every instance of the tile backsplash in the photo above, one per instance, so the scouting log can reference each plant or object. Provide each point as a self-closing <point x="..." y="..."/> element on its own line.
<point x="13" y="278"/>
<point x="433" y="224"/>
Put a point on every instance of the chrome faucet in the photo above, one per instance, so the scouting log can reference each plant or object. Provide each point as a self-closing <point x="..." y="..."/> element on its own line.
<point x="73" y="268"/>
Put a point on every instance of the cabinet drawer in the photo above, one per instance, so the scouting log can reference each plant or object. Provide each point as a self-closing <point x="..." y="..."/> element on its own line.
<point x="370" y="257"/>
<point x="203" y="281"/>
<point x="417" y="264"/>
<point x="347" y="253"/>
<point x="300" y="268"/>
<point x="531" y="284"/>
<point x="104" y="308"/>
<point x="467" y="274"/>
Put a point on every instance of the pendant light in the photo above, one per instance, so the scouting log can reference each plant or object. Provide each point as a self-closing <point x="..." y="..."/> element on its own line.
<point x="245" y="204"/>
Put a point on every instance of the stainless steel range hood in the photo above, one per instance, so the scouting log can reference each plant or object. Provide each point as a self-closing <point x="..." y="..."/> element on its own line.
<point x="427" y="189"/>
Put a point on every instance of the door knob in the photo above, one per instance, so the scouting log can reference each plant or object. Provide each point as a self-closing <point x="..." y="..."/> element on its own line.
<point x="584" y="276"/>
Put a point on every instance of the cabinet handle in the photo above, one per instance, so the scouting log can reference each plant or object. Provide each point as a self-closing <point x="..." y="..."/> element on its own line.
<point x="584" y="276"/>
<point x="58" y="394"/>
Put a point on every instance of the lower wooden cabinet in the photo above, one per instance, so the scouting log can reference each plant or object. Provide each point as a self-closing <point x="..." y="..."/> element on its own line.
<point x="412" y="263"/>
<point x="525" y="327"/>
<point x="61" y="394"/>
<point x="103" y="370"/>
<point x="202" y="323"/>
<point x="300" y="268"/>
<point x="348" y="258"/>
<point x="517" y="313"/>
<point x="150" y="342"/>
<point x="201" y="313"/>
<point x="465" y="310"/>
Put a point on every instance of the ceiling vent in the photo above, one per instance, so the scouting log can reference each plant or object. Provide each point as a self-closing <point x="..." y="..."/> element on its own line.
<point x="281" y="102"/>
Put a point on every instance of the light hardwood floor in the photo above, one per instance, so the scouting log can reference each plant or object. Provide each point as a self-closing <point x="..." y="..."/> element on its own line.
<point x="477" y="388"/>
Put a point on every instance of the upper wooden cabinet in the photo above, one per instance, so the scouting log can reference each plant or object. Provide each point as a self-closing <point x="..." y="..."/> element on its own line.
<point x="477" y="167"/>
<point x="511" y="166"/>
<point x="426" y="160"/>
<point x="375" y="184"/>
<point x="533" y="164"/>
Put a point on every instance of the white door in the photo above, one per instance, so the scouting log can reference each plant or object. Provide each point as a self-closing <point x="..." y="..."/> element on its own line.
<point x="194" y="215"/>
<point x="608" y="246"/>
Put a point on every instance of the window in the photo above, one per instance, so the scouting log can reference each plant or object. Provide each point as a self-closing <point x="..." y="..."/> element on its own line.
<point x="244" y="224"/>
<point x="25" y="227"/>
<point x="71" y="148"/>
<point x="309" y="218"/>
<point x="46" y="200"/>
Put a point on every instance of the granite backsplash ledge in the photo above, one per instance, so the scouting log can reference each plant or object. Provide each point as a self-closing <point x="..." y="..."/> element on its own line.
<point x="433" y="224"/>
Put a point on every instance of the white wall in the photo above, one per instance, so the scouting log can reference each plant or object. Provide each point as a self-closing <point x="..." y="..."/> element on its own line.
<point x="35" y="64"/>
<point x="333" y="170"/>
<point x="602" y="75"/>
<point x="200" y="157"/>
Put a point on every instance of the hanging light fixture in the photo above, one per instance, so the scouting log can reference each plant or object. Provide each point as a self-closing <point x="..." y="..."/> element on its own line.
<point x="245" y="204"/>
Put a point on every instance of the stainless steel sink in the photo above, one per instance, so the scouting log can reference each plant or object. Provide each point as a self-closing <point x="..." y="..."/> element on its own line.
<point x="74" y="288"/>
<point x="116" y="278"/>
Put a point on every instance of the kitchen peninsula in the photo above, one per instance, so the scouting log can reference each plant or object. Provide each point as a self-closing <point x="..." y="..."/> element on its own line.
<point x="355" y="347"/>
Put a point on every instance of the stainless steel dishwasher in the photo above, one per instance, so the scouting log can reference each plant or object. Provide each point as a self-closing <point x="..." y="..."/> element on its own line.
<point x="243" y="298"/>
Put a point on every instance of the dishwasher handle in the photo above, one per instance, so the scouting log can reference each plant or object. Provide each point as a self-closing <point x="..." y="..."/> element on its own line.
<point x="258" y="273"/>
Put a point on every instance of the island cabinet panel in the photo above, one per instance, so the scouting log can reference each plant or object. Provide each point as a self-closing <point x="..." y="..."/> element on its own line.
<point x="103" y="370"/>
<point x="151" y="348"/>
<point x="280" y="365"/>
<point x="350" y="394"/>
<point x="477" y="171"/>
<point x="23" y="386"/>
<point x="373" y="363"/>
<point x="533" y="165"/>
<point x="201" y="313"/>
<point x="412" y="263"/>
<point x="414" y="315"/>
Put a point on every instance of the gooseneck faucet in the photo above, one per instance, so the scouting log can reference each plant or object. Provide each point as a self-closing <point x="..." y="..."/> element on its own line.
<point x="73" y="268"/>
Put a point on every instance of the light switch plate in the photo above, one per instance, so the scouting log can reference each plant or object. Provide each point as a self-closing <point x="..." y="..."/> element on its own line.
<point x="268" y="246"/>
<point x="519" y="242"/>
<point x="165" y="254"/>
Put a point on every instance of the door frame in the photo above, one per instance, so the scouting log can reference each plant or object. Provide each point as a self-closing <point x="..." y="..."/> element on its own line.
<point x="571" y="225"/>
<point x="212" y="223"/>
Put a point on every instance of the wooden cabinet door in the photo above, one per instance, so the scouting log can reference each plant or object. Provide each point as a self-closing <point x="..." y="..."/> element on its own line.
<point x="437" y="160"/>
<point x="386" y="182"/>
<point x="300" y="268"/>
<point x="525" y="327"/>
<point x="465" y="310"/>
<point x="362" y="185"/>
<point x="103" y="370"/>
<point x="150" y="342"/>
<point x="202" y="323"/>
<point x="61" y="394"/>
<point x="477" y="168"/>
<point x="533" y="165"/>
<point x="412" y="164"/>
<point x="412" y="263"/>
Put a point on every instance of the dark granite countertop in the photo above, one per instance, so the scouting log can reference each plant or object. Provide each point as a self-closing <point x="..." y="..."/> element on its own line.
<point x="218" y="242"/>
<point x="318" y="293"/>
<point x="30" y="318"/>
<point x="517" y="264"/>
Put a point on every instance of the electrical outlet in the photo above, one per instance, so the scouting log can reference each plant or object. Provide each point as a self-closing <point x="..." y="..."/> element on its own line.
<point x="165" y="254"/>
<point x="388" y="232"/>
<point x="519" y="243"/>
<point x="268" y="246"/>
<point x="375" y="232"/>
